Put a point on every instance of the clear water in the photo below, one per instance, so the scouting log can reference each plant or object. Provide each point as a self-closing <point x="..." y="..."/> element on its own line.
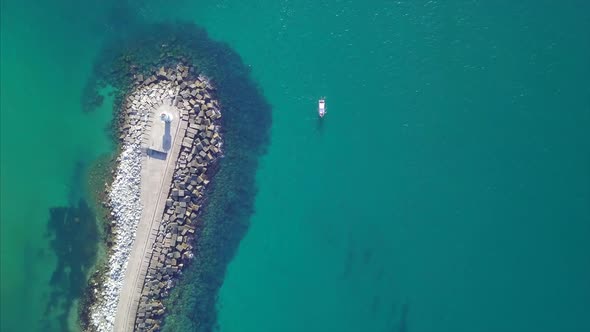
<point x="448" y="188"/>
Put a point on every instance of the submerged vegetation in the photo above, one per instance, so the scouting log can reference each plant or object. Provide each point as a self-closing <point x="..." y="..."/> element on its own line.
<point x="74" y="238"/>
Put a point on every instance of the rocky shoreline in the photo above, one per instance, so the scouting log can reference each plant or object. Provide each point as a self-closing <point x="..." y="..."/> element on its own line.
<point x="200" y="147"/>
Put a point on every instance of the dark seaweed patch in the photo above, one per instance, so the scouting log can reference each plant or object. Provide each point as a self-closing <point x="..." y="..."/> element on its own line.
<point x="74" y="240"/>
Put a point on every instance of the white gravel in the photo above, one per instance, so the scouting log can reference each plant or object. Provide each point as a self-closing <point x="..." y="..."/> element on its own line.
<point x="125" y="206"/>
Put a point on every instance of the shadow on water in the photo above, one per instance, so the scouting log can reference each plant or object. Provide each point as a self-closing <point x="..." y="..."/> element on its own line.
<point x="320" y="127"/>
<point x="403" y="322"/>
<point x="350" y="257"/>
<point x="401" y="325"/>
<point x="245" y="128"/>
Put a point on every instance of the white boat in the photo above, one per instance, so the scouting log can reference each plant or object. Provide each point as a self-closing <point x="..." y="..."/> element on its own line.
<point x="322" y="107"/>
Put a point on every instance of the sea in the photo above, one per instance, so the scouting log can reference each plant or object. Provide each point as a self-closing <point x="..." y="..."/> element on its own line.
<point x="447" y="188"/>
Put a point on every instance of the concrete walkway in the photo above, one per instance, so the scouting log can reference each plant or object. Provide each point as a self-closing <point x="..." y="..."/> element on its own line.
<point x="156" y="179"/>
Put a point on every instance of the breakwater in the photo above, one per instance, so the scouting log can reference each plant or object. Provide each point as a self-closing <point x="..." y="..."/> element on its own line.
<point x="172" y="248"/>
<point x="170" y="137"/>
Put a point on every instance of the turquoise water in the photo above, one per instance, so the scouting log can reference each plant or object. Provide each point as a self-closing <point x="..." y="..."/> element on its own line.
<point x="46" y="55"/>
<point x="448" y="188"/>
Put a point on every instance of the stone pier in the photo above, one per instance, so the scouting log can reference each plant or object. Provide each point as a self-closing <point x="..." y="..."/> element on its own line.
<point x="174" y="176"/>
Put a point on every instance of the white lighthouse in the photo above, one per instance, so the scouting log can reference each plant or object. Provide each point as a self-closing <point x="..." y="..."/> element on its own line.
<point x="166" y="117"/>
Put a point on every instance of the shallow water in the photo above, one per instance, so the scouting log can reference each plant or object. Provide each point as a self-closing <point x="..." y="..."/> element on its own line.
<point x="447" y="189"/>
<point x="46" y="140"/>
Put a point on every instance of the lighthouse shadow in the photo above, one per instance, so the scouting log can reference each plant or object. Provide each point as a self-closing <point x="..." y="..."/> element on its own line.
<point x="167" y="139"/>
